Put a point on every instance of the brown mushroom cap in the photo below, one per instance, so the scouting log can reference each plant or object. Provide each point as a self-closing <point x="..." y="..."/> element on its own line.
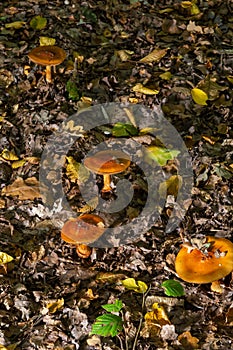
<point x="47" y="55"/>
<point x="107" y="162"/>
<point x="85" y="229"/>
<point x="194" y="266"/>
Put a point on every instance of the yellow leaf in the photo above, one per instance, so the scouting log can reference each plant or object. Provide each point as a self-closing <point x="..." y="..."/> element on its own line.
<point x="136" y="286"/>
<point x="157" y="315"/>
<point x="76" y="171"/>
<point x="186" y="4"/>
<point x="109" y="277"/>
<point x="46" y="41"/>
<point x="171" y="186"/>
<point x="230" y="78"/>
<point x="199" y="96"/>
<point x="15" y="25"/>
<point x="55" y="305"/>
<point x="166" y="75"/>
<point x="90" y="205"/>
<point x="154" y="56"/>
<point x="144" y="90"/>
<point x="5" y="258"/>
<point x="195" y="9"/>
<point x="8" y="155"/>
<point x="18" y="163"/>
<point x="124" y="55"/>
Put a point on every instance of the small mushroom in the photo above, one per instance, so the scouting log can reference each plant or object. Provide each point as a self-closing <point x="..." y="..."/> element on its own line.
<point x="47" y="56"/>
<point x="107" y="163"/>
<point x="85" y="229"/>
<point x="205" y="265"/>
<point x="83" y="251"/>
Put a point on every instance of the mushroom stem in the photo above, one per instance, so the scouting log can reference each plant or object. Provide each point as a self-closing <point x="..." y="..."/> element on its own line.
<point x="107" y="183"/>
<point x="48" y="74"/>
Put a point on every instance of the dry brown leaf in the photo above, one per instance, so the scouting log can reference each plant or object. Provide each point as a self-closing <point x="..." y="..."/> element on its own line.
<point x="155" y="56"/>
<point x="24" y="189"/>
<point x="188" y="341"/>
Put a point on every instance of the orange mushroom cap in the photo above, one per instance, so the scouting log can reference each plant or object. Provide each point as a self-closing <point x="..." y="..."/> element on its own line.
<point x="195" y="266"/>
<point x="85" y="229"/>
<point x="107" y="162"/>
<point x="83" y="251"/>
<point x="47" y="55"/>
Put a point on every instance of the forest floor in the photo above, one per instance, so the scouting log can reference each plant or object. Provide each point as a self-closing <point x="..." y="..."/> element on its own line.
<point x="49" y="296"/>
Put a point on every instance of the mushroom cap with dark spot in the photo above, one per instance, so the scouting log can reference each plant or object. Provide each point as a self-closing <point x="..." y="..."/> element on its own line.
<point x="195" y="266"/>
<point x="86" y="228"/>
<point x="107" y="162"/>
<point x="47" y="55"/>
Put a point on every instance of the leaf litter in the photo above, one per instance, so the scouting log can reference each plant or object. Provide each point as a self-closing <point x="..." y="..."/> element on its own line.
<point x="166" y="50"/>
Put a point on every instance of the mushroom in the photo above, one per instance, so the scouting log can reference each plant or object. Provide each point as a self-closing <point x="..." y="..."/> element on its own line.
<point x="47" y="56"/>
<point x="85" y="229"/>
<point x="205" y="265"/>
<point x="107" y="163"/>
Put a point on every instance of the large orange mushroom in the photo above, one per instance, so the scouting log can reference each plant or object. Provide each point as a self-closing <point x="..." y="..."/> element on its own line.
<point x="83" y="230"/>
<point x="47" y="56"/>
<point x="107" y="163"/>
<point x="207" y="264"/>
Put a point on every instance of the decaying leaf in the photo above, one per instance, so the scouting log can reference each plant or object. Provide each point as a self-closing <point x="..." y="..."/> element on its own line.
<point x="45" y="41"/>
<point x="18" y="163"/>
<point x="15" y="25"/>
<point x="8" y="155"/>
<point x="199" y="96"/>
<point x="76" y="171"/>
<point x="144" y="90"/>
<point x="38" y="22"/>
<point x="154" y="321"/>
<point x="124" y="55"/>
<point x="55" y="305"/>
<point x="109" y="277"/>
<point x="155" y="56"/>
<point x="188" y="341"/>
<point x="136" y="286"/>
<point x="23" y="189"/>
<point x="171" y="186"/>
<point x="90" y="205"/>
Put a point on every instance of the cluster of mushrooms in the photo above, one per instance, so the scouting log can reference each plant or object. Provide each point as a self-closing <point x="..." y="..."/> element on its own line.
<point x="207" y="264"/>
<point x="87" y="228"/>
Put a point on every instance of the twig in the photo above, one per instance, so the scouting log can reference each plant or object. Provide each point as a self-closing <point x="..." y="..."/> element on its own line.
<point x="141" y="319"/>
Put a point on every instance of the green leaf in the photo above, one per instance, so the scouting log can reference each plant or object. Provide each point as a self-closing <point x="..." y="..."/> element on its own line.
<point x="199" y="96"/>
<point x="121" y="129"/>
<point x="107" y="325"/>
<point x="136" y="286"/>
<point x="72" y="90"/>
<point x="116" y="307"/>
<point x="161" y="155"/>
<point x="173" y="288"/>
<point x="38" y="23"/>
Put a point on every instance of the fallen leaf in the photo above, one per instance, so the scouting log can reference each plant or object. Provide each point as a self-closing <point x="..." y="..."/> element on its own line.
<point x="144" y="90"/>
<point x="15" y="25"/>
<point x="45" y="41"/>
<point x="199" y="96"/>
<point x="188" y="341"/>
<point x="24" y="189"/>
<point x="76" y="171"/>
<point x="155" y="56"/>
<point x="55" y="305"/>
<point x="38" y="23"/>
<point x="171" y="186"/>
<point x="109" y="277"/>
<point x="8" y="155"/>
<point x="5" y="258"/>
<point x="191" y="27"/>
<point x="136" y="286"/>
